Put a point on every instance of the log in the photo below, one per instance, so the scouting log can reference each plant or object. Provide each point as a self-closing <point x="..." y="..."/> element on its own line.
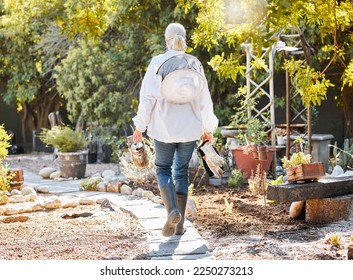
<point x="323" y="188"/>
<point x="328" y="210"/>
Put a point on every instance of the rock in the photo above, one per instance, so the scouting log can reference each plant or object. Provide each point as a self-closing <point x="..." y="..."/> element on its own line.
<point x="24" y="208"/>
<point x="14" y="219"/>
<point x="69" y="204"/>
<point x="114" y="186"/>
<point x="11" y="210"/>
<point x="137" y="192"/>
<point x="86" y="201"/>
<point x="15" y="192"/>
<point x="147" y="195"/>
<point x="157" y="199"/>
<point x="122" y="178"/>
<point x="125" y="189"/>
<point x="96" y="175"/>
<point x="337" y="171"/>
<point x="52" y="203"/>
<point x="55" y="175"/>
<point x="46" y="171"/>
<point x="100" y="200"/>
<point x="42" y="189"/>
<point x="4" y="199"/>
<point x="296" y="209"/>
<point x="31" y="197"/>
<point x="108" y="173"/>
<point x="37" y="207"/>
<point x="110" y="179"/>
<point x="28" y="190"/>
<point x="349" y="173"/>
<point x="17" y="198"/>
<point x="328" y="210"/>
<point x="2" y="210"/>
<point x="191" y="209"/>
<point x="101" y="187"/>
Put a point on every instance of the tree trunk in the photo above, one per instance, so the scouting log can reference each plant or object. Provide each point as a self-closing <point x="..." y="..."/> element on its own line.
<point x="35" y="113"/>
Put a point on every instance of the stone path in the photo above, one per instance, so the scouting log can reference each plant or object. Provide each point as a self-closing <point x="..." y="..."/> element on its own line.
<point x="190" y="246"/>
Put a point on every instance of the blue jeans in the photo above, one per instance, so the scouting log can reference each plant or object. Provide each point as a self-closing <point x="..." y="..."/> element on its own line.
<point x="172" y="164"/>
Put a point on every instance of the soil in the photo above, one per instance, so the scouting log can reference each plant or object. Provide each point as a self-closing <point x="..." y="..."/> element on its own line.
<point x="251" y="229"/>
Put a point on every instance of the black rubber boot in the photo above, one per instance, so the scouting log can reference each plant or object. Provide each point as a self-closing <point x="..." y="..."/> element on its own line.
<point x="181" y="202"/>
<point x="169" y="200"/>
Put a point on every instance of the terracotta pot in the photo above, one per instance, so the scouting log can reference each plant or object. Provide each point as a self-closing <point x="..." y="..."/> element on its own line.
<point x="246" y="162"/>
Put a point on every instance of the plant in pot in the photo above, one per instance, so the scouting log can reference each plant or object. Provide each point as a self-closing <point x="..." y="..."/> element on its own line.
<point x="71" y="146"/>
<point x="252" y="144"/>
<point x="299" y="167"/>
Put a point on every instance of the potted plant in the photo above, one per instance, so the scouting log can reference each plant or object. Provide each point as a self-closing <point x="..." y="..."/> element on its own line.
<point x="253" y="137"/>
<point x="299" y="166"/>
<point x="71" y="146"/>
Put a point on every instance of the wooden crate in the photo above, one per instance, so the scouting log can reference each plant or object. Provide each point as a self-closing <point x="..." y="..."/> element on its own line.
<point x="306" y="172"/>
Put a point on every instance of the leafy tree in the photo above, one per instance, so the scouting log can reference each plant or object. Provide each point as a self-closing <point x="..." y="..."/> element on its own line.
<point x="90" y="80"/>
<point x="28" y="86"/>
<point x="89" y="56"/>
<point x="325" y="26"/>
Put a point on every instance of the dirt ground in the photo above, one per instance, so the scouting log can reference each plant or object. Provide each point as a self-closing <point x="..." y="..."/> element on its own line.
<point x="251" y="230"/>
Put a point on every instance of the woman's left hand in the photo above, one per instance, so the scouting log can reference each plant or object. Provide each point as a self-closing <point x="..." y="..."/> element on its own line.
<point x="137" y="136"/>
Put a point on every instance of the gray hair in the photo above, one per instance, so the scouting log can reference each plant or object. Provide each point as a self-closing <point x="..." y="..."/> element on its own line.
<point x="176" y="35"/>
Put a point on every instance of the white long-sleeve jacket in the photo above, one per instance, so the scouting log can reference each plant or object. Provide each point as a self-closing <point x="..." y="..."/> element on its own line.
<point x="169" y="122"/>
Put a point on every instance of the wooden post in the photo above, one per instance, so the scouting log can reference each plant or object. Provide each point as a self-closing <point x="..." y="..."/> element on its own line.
<point x="288" y="117"/>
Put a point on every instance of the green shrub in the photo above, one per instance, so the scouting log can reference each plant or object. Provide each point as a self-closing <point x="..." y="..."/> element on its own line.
<point x="64" y="138"/>
<point x="236" y="178"/>
<point x="5" y="175"/>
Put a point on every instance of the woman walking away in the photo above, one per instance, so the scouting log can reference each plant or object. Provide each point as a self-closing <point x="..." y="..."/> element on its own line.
<point x="176" y="108"/>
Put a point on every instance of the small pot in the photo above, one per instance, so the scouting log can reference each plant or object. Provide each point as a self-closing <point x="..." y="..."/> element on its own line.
<point x="254" y="152"/>
<point x="262" y="151"/>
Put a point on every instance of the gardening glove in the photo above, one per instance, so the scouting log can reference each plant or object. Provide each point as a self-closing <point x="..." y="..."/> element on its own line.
<point x="213" y="160"/>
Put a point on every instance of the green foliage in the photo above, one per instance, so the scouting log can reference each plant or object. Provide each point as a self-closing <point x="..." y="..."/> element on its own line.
<point x="95" y="91"/>
<point x="325" y="26"/>
<point x="90" y="184"/>
<point x="5" y="176"/>
<point x="312" y="85"/>
<point x="4" y="142"/>
<point x="236" y="178"/>
<point x="343" y="157"/>
<point x="97" y="51"/>
<point x="348" y="75"/>
<point x="64" y="138"/>
<point x="101" y="48"/>
<point x="254" y="129"/>
<point x="87" y="19"/>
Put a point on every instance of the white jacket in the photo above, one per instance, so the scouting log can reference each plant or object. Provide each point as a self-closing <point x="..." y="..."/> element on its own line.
<point x="168" y="122"/>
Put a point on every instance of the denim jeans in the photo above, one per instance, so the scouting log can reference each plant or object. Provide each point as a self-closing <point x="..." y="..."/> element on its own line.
<point x="172" y="164"/>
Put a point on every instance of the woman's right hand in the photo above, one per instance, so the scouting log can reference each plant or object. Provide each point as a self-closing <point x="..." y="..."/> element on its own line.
<point x="207" y="136"/>
<point x="137" y="137"/>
